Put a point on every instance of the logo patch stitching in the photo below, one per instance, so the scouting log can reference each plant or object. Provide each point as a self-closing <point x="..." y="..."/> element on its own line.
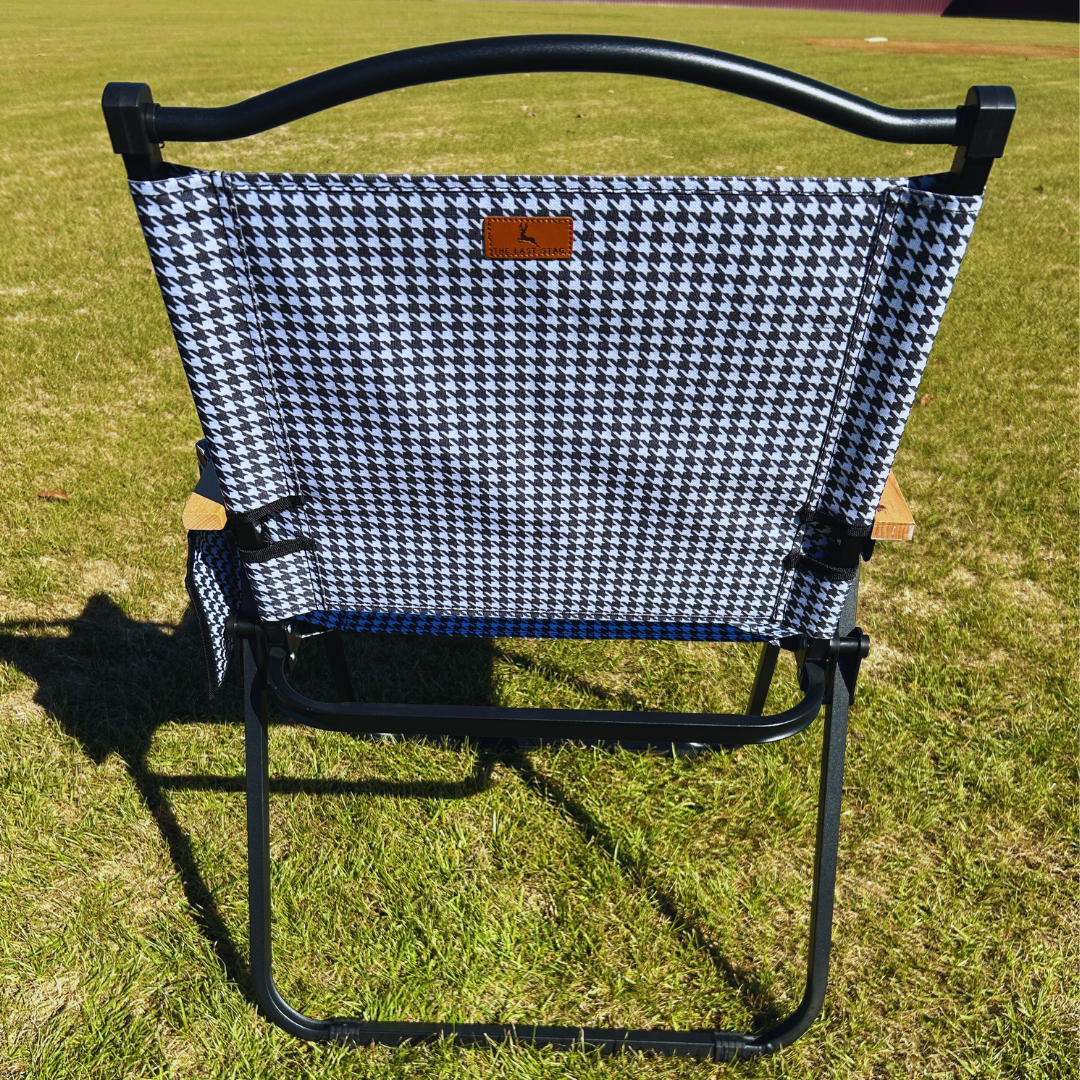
<point x="528" y="237"/>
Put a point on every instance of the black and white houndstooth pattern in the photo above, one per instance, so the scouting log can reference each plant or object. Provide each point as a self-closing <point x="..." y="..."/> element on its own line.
<point x="625" y="443"/>
<point x="201" y="274"/>
<point x="213" y="583"/>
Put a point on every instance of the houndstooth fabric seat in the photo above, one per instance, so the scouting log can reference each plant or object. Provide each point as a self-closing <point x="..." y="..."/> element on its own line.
<point x="672" y="434"/>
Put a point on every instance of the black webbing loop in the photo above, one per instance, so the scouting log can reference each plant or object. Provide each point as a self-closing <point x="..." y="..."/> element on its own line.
<point x="837" y="526"/>
<point x="286" y="502"/>
<point x="826" y="571"/>
<point x="277" y="549"/>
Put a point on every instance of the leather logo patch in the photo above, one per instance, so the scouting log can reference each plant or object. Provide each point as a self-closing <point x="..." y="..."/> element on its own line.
<point x="528" y="237"/>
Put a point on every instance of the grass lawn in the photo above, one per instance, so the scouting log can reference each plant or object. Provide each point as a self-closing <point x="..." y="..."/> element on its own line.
<point x="569" y="885"/>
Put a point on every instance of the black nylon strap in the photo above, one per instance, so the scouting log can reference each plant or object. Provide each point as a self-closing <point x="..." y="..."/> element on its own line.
<point x="837" y="526"/>
<point x="277" y="549"/>
<point x="825" y="571"/>
<point x="286" y="502"/>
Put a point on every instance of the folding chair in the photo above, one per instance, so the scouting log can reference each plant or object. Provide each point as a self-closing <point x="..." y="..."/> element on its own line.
<point x="548" y="406"/>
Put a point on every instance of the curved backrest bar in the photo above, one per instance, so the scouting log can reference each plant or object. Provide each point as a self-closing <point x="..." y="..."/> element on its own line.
<point x="979" y="127"/>
<point x="557" y="52"/>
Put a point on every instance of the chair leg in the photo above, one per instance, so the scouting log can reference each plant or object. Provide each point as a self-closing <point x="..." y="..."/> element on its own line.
<point x="339" y="668"/>
<point x="762" y="679"/>
<point x="256" y="757"/>
<point x="830" y="791"/>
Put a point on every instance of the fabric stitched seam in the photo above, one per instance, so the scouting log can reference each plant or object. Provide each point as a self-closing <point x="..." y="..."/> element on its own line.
<point x="753" y="627"/>
<point x="848" y="368"/>
<point x="258" y="338"/>
<point x="856" y="336"/>
<point x="859" y="330"/>
<point x="276" y="412"/>
<point x="420" y="189"/>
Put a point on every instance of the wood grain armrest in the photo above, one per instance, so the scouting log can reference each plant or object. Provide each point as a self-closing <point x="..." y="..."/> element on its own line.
<point x="203" y="515"/>
<point x="893" y="520"/>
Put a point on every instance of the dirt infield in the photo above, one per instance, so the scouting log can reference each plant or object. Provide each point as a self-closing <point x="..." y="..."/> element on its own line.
<point x="950" y="48"/>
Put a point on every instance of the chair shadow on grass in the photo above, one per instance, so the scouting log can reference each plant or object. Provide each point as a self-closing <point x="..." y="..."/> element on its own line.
<point x="111" y="681"/>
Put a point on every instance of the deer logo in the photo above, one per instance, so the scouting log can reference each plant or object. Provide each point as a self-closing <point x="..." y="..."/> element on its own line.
<point x="524" y="237"/>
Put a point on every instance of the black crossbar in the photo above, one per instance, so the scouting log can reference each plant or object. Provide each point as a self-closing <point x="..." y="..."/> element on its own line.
<point x="658" y="728"/>
<point x="138" y="126"/>
<point x="594" y="53"/>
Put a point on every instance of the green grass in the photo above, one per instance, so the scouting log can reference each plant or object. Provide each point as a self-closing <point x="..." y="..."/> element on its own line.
<point x="571" y="885"/>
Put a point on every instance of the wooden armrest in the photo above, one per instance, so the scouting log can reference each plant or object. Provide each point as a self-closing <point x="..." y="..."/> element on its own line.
<point x="203" y="514"/>
<point x="893" y="520"/>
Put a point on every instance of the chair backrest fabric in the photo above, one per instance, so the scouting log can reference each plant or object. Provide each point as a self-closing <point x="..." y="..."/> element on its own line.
<point x="660" y="436"/>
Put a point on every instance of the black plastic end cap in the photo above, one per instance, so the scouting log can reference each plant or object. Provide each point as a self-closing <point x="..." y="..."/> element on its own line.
<point x="237" y="626"/>
<point x="992" y="109"/>
<point x="854" y="644"/>
<point x="128" y="109"/>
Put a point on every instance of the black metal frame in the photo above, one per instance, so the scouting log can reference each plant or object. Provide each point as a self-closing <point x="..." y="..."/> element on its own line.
<point x="828" y="670"/>
<point x="138" y="126"/>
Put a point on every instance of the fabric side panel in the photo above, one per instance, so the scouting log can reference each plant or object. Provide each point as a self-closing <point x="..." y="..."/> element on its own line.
<point x="285" y="586"/>
<point x="189" y="248"/>
<point x="810" y="601"/>
<point x="815" y="606"/>
<point x="923" y="250"/>
<point x="929" y="238"/>
<point x="213" y="583"/>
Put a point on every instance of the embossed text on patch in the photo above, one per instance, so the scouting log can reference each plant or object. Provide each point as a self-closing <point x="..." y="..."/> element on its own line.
<point x="528" y="237"/>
